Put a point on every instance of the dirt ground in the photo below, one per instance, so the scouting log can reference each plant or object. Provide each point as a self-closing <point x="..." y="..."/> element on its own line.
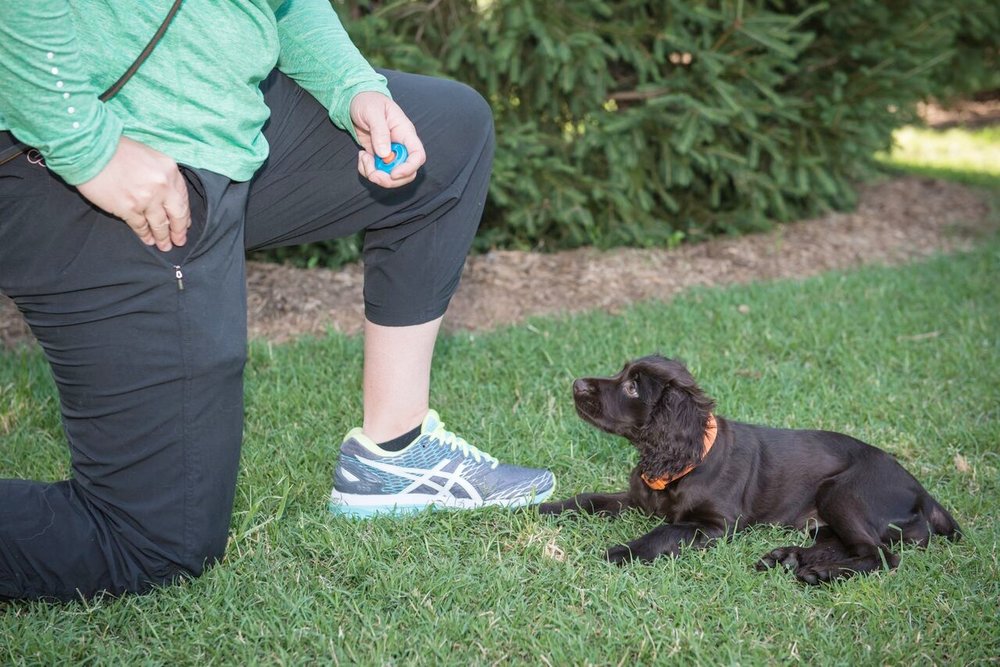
<point x="896" y="221"/>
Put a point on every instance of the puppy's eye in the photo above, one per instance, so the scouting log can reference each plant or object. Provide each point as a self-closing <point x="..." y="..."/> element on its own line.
<point x="631" y="389"/>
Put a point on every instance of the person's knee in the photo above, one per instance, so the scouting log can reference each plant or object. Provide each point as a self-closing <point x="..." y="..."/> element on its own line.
<point x="474" y="116"/>
<point x="207" y="549"/>
<point x="187" y="555"/>
<point x="457" y="131"/>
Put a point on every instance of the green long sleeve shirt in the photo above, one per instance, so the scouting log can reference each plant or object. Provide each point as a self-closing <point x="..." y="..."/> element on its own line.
<point x="195" y="99"/>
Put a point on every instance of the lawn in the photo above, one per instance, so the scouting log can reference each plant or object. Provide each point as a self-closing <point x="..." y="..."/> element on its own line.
<point x="968" y="156"/>
<point x="906" y="358"/>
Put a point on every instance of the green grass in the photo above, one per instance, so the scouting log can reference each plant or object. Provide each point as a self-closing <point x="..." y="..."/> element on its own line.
<point x="959" y="154"/>
<point x="906" y="358"/>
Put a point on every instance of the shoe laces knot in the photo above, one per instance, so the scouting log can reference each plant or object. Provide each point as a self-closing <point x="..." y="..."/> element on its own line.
<point x="457" y="442"/>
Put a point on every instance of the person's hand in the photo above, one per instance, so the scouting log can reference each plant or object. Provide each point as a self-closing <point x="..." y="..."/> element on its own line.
<point x="144" y="188"/>
<point x="378" y="121"/>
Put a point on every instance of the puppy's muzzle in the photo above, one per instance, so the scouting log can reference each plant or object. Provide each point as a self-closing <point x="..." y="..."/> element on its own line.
<point x="585" y="399"/>
<point x="583" y="387"/>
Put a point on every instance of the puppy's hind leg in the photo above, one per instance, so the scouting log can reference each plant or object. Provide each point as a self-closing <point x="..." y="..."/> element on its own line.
<point x="853" y="514"/>
<point x="827" y="548"/>
<point x="870" y="558"/>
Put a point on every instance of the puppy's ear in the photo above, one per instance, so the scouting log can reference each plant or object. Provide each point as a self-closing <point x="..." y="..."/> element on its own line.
<point x="673" y="437"/>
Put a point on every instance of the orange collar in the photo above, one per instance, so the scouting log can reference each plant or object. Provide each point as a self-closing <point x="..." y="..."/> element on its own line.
<point x="660" y="483"/>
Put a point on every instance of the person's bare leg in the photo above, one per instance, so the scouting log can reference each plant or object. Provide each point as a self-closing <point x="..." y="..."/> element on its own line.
<point x="397" y="377"/>
<point x="440" y="469"/>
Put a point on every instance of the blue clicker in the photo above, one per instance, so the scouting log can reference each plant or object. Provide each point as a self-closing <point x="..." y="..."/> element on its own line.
<point x="397" y="157"/>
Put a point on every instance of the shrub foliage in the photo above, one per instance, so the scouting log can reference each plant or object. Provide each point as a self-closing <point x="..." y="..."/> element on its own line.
<point x="644" y="122"/>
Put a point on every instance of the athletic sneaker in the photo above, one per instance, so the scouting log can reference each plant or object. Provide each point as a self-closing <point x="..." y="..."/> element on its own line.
<point x="438" y="469"/>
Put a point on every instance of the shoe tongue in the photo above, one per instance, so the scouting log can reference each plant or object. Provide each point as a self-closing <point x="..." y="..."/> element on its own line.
<point x="431" y="422"/>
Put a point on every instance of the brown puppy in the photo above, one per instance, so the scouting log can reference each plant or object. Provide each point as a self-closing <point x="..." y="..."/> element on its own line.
<point x="709" y="477"/>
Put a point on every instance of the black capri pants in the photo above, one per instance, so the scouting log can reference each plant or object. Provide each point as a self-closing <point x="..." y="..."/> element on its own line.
<point x="147" y="348"/>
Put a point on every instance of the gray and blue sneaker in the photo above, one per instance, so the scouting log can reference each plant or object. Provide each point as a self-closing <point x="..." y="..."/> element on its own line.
<point x="438" y="469"/>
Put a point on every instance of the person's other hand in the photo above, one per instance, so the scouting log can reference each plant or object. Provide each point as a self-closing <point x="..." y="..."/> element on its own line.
<point x="144" y="188"/>
<point x="378" y="121"/>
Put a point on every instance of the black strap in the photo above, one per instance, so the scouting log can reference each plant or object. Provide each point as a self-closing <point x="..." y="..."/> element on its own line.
<point x="18" y="148"/>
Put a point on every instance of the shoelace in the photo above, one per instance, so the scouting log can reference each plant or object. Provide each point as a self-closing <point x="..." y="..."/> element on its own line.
<point x="457" y="442"/>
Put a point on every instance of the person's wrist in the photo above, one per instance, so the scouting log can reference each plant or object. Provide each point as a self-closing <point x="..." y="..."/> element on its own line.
<point x="103" y="145"/>
<point x="341" y="111"/>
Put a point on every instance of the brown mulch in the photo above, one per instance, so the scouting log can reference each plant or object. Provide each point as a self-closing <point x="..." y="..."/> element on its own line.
<point x="896" y="221"/>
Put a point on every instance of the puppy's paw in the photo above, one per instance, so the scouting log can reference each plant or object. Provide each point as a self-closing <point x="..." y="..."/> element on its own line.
<point x="620" y="554"/>
<point x="787" y="556"/>
<point x="823" y="573"/>
<point x="765" y="562"/>
<point x="550" y="508"/>
<point x="814" y="574"/>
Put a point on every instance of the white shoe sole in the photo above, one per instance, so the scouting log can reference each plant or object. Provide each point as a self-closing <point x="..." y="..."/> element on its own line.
<point x="366" y="506"/>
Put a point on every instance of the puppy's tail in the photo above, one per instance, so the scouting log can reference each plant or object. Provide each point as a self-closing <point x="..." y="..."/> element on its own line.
<point x="941" y="522"/>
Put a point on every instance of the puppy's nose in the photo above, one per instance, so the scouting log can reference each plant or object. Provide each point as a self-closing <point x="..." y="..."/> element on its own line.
<point x="581" y="386"/>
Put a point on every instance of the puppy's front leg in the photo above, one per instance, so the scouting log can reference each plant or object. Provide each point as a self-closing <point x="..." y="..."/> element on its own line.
<point x="665" y="540"/>
<point x="605" y="504"/>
